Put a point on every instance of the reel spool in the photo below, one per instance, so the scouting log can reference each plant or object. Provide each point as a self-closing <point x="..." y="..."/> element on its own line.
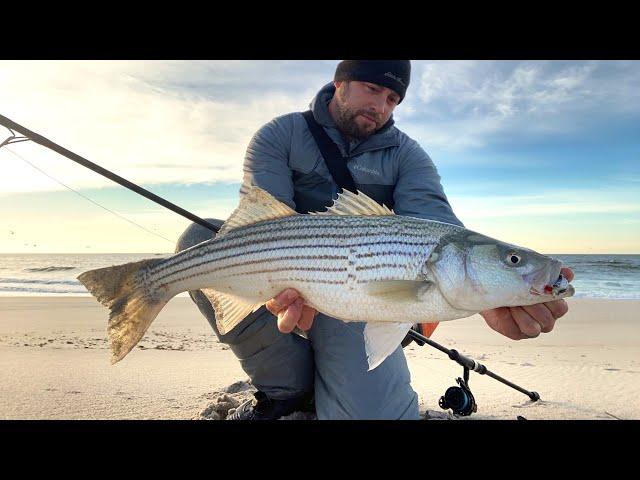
<point x="459" y="399"/>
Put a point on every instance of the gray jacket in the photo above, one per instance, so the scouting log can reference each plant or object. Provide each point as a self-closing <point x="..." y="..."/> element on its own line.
<point x="390" y="167"/>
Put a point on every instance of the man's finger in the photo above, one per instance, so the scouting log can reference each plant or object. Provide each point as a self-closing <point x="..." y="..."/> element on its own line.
<point x="558" y="308"/>
<point x="511" y="330"/>
<point x="501" y="320"/>
<point x="289" y="317"/>
<point x="528" y="326"/>
<point x="282" y="300"/>
<point x="308" y="314"/>
<point x="543" y="315"/>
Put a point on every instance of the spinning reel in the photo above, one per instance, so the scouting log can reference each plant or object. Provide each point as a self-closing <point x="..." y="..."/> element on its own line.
<point x="459" y="399"/>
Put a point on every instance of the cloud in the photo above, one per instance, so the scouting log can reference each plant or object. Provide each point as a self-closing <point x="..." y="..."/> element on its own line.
<point x="190" y="121"/>
<point x="470" y="104"/>
<point x="132" y="116"/>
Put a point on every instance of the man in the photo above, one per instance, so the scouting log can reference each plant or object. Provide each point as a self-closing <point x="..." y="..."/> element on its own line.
<point x="283" y="158"/>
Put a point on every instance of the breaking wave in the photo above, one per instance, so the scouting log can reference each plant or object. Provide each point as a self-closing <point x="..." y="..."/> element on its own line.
<point x="40" y="290"/>
<point x="39" y="282"/>
<point x="48" y="269"/>
<point x="618" y="266"/>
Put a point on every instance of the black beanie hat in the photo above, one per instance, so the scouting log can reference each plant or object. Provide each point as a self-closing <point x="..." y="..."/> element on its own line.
<point x="393" y="74"/>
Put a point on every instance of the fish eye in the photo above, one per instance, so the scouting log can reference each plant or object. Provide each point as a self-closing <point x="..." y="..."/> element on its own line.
<point x="513" y="258"/>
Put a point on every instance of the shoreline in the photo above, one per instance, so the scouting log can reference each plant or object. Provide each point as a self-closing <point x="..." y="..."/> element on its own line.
<point x="54" y="364"/>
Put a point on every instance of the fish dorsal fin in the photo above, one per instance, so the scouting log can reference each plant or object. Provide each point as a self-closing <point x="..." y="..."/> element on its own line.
<point x="256" y="206"/>
<point x="348" y="203"/>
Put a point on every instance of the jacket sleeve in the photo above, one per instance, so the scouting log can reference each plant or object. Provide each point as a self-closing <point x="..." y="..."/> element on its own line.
<point x="266" y="162"/>
<point x="418" y="191"/>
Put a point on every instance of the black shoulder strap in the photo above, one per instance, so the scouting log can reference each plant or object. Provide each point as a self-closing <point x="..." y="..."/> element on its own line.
<point x="336" y="163"/>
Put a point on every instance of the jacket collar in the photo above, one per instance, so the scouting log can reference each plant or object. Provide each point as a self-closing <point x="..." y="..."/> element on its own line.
<point x="387" y="136"/>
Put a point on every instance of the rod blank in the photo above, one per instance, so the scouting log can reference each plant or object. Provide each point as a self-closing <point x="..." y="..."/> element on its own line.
<point x="472" y="364"/>
<point x="45" y="142"/>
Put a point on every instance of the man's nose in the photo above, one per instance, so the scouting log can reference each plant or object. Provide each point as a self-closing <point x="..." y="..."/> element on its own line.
<point x="379" y="105"/>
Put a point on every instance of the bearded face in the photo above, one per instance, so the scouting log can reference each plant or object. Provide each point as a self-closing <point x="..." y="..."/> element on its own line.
<point x="362" y="108"/>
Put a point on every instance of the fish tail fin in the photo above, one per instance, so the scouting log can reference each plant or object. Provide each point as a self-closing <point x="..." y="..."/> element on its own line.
<point x="121" y="288"/>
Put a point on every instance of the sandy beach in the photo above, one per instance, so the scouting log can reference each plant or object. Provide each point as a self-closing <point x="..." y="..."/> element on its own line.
<point x="54" y="364"/>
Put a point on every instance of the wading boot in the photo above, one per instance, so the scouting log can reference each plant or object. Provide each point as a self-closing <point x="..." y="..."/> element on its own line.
<point x="265" y="408"/>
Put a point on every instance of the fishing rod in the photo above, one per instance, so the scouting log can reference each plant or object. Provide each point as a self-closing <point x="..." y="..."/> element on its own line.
<point x="459" y="399"/>
<point x="45" y="142"/>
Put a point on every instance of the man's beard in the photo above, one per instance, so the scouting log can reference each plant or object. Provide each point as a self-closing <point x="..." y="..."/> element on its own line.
<point x="346" y="122"/>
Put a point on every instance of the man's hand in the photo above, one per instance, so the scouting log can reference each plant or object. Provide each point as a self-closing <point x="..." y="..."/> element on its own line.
<point x="291" y="311"/>
<point x="527" y="322"/>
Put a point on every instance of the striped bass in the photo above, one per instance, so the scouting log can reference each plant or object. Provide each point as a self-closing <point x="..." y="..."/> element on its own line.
<point x="357" y="261"/>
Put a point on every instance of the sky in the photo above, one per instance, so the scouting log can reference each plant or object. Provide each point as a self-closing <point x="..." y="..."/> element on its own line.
<point x="543" y="154"/>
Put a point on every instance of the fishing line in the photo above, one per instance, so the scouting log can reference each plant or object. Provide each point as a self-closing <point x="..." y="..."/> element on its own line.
<point x="80" y="194"/>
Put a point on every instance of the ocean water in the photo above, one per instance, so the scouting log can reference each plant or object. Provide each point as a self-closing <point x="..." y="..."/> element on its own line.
<point x="597" y="276"/>
<point x="23" y="274"/>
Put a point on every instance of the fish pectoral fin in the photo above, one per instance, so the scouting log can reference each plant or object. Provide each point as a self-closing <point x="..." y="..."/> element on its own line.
<point x="398" y="290"/>
<point x="257" y="205"/>
<point x="381" y="339"/>
<point x="230" y="309"/>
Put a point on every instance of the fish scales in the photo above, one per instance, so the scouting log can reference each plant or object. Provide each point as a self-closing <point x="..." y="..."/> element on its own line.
<point x="318" y="234"/>
<point x="328" y="260"/>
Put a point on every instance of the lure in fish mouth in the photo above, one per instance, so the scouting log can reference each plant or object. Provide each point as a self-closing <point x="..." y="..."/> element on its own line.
<point x="559" y="289"/>
<point x="548" y="281"/>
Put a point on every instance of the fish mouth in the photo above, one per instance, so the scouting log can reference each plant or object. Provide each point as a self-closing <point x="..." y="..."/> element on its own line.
<point x="560" y="288"/>
<point x="549" y="281"/>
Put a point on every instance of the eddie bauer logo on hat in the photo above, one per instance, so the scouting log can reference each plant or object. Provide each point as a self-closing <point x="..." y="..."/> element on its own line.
<point x="397" y="79"/>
